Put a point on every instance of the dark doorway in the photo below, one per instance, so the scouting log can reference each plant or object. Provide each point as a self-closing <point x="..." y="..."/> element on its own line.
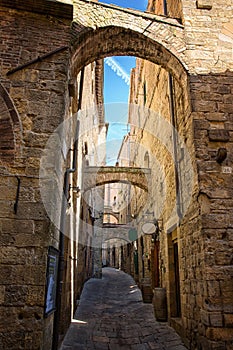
<point x="155" y="265"/>
<point x="142" y="254"/>
<point x="177" y="280"/>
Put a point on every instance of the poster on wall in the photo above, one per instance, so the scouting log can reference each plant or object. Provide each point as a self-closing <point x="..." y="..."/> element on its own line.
<point x="51" y="281"/>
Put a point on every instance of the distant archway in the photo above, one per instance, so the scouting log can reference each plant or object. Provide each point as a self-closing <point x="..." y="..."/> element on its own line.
<point x="98" y="176"/>
<point x="110" y="216"/>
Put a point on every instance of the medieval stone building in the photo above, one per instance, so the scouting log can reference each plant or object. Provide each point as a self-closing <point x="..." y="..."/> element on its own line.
<point x="52" y="127"/>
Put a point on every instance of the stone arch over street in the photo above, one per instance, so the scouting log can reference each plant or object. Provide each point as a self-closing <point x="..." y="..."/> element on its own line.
<point x="111" y="213"/>
<point x="131" y="33"/>
<point x="98" y="176"/>
<point x="116" y="233"/>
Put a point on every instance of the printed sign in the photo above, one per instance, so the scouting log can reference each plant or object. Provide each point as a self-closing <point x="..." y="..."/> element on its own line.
<point x="51" y="281"/>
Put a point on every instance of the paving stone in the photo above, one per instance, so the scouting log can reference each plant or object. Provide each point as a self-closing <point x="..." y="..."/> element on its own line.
<point x="113" y="319"/>
<point x="140" y="347"/>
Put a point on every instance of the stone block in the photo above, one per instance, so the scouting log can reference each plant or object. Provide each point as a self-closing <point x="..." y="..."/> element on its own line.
<point x="223" y="89"/>
<point x="198" y="115"/>
<point x="28" y="240"/>
<point x="205" y="319"/>
<point x="200" y="134"/>
<point x="35" y="296"/>
<point x="216" y="319"/>
<point x="7" y="209"/>
<point x="37" y="95"/>
<point x="6" y="239"/>
<point x="212" y="96"/>
<point x="224" y="107"/>
<point x="14" y="256"/>
<point x="224" y="257"/>
<point x="216" y="116"/>
<point x="222" y="334"/>
<point x="8" y="193"/>
<point x="204" y="4"/>
<point x="17" y="226"/>
<point x="228" y="320"/>
<point x="216" y="221"/>
<point x="219" y="135"/>
<point x="23" y="274"/>
<point x="228" y="99"/>
<point x="204" y="106"/>
<point x="26" y="194"/>
<point x="32" y="211"/>
<point x="201" y="124"/>
<point x="15" y="295"/>
<point x="35" y="139"/>
<point x="34" y="340"/>
<point x="13" y="340"/>
<point x="216" y="345"/>
<point x="2" y="294"/>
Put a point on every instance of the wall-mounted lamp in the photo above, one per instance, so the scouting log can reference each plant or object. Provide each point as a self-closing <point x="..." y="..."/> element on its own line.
<point x="155" y="235"/>
<point x="221" y="155"/>
<point x="151" y="227"/>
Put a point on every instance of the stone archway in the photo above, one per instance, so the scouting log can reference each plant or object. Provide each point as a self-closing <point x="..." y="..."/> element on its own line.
<point x="97" y="176"/>
<point x="100" y="30"/>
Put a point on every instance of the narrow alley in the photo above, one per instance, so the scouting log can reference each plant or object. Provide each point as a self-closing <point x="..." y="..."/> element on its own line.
<point x="111" y="315"/>
<point x="116" y="173"/>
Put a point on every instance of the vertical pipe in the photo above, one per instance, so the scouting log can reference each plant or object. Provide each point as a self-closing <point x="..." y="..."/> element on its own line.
<point x="165" y="7"/>
<point x="57" y="315"/>
<point x="17" y="195"/>
<point x="173" y="120"/>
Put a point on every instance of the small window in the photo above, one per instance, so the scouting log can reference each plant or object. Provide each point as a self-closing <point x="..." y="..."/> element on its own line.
<point x="144" y="92"/>
<point x="85" y="148"/>
<point x="146" y="160"/>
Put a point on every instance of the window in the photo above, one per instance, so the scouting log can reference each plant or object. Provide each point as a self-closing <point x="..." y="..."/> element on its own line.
<point x="144" y="92"/>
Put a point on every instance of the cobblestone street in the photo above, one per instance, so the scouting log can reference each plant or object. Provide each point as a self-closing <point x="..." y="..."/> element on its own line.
<point x="112" y="315"/>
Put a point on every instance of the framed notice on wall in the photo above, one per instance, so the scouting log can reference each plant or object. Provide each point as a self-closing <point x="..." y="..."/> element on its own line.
<point x="51" y="281"/>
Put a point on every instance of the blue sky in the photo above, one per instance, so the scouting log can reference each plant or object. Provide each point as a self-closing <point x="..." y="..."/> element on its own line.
<point x="134" y="4"/>
<point x="116" y="94"/>
<point x="116" y="89"/>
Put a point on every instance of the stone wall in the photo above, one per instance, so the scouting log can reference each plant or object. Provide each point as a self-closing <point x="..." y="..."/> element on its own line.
<point x="153" y="138"/>
<point x="212" y="102"/>
<point x="208" y="36"/>
<point x="203" y="236"/>
<point x="168" y="8"/>
<point x="35" y="96"/>
<point x="211" y="87"/>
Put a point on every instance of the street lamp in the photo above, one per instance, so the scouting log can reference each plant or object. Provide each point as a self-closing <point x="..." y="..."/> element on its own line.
<point x="151" y="226"/>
